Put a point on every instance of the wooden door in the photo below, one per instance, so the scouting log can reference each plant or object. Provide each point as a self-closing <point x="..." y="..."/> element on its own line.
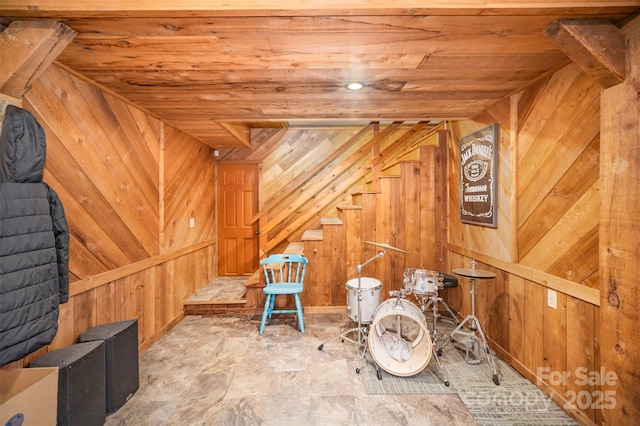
<point x="238" y="189"/>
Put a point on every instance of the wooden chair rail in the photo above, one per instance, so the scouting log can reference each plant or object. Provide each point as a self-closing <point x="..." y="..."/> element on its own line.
<point x="95" y="281"/>
<point x="587" y="294"/>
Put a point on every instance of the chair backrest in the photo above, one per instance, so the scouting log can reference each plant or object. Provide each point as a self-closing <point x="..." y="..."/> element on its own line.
<point x="284" y="268"/>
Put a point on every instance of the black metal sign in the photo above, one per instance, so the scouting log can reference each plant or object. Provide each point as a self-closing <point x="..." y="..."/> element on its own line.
<point x="479" y="177"/>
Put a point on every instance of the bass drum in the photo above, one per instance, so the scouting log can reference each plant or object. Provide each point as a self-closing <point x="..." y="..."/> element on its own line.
<point x="399" y="341"/>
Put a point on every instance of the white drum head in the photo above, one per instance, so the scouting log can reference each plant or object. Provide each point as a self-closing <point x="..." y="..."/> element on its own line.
<point x="398" y="340"/>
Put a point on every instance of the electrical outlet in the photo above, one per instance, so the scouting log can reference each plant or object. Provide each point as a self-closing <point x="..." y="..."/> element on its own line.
<point x="192" y="222"/>
<point x="552" y="299"/>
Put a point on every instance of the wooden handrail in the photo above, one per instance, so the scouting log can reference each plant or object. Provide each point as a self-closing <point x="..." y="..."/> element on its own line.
<point x="396" y="148"/>
<point x="345" y="165"/>
<point x="398" y="144"/>
<point x="344" y="187"/>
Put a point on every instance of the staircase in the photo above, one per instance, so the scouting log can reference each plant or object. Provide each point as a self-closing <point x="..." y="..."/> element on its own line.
<point x="392" y="207"/>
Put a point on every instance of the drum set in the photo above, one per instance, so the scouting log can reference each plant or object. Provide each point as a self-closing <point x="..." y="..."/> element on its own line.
<point x="395" y="332"/>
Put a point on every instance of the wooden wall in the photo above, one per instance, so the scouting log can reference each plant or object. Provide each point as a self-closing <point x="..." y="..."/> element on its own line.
<point x="620" y="237"/>
<point x="129" y="184"/>
<point x="547" y="235"/>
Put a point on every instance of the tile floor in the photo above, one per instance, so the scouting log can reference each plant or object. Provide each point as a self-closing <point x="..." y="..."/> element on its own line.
<point x="220" y="371"/>
<point x="216" y="370"/>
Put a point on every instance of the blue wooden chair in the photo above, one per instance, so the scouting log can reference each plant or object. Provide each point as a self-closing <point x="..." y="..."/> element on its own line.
<point x="284" y="274"/>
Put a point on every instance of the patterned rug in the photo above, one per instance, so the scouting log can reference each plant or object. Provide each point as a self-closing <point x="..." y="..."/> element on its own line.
<point x="516" y="401"/>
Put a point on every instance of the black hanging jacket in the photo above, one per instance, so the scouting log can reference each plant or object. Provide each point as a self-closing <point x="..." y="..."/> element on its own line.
<point x="34" y="241"/>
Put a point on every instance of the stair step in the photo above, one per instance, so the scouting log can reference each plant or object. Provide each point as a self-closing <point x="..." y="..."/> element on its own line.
<point x="313" y="235"/>
<point x="330" y="221"/>
<point x="296" y="247"/>
<point x="254" y="280"/>
<point x="358" y="197"/>
<point x="348" y="207"/>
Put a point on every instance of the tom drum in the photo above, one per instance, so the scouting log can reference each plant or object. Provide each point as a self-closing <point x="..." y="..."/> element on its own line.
<point x="421" y="281"/>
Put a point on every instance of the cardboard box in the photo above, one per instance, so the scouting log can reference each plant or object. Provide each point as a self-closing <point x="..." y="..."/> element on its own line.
<point x="30" y="395"/>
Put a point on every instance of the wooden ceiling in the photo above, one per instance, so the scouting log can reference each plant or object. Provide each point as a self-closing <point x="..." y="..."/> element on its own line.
<point x="214" y="68"/>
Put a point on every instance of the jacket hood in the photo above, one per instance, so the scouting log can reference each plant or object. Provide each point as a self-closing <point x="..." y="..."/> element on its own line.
<point x="22" y="147"/>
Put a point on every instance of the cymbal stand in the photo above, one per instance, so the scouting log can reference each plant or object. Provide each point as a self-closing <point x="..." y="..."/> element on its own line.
<point x="360" y="338"/>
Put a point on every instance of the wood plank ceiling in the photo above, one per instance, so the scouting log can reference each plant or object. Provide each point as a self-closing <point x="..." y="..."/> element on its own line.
<point x="213" y="70"/>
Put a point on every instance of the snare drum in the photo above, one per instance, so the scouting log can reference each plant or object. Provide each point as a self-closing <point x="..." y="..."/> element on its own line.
<point x="370" y="290"/>
<point x="421" y="281"/>
<point x="403" y="319"/>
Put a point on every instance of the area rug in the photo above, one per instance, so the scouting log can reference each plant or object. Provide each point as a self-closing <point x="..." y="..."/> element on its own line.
<point x="516" y="401"/>
<point x="428" y="381"/>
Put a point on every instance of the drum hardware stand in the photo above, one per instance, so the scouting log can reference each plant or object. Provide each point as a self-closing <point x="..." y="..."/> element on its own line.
<point x="361" y="330"/>
<point x="435" y="315"/>
<point x="436" y="353"/>
<point x="472" y="343"/>
<point x="361" y="342"/>
<point x="434" y="301"/>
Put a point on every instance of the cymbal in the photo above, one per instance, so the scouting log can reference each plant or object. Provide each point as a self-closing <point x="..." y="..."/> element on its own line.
<point x="386" y="246"/>
<point x="474" y="273"/>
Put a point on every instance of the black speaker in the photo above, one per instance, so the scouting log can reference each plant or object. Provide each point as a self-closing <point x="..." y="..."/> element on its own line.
<point x="81" y="382"/>
<point x="121" y="359"/>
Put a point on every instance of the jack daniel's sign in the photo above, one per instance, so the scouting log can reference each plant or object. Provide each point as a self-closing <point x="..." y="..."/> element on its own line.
<point x="478" y="177"/>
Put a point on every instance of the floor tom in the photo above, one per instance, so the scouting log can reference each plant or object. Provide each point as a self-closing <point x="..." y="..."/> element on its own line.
<point x="370" y="289"/>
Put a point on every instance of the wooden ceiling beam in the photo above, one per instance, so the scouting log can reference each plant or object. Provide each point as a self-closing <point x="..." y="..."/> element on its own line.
<point x="142" y="8"/>
<point x="31" y="46"/>
<point x="239" y="131"/>
<point x="595" y="45"/>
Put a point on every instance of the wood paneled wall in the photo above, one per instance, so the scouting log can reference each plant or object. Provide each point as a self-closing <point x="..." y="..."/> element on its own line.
<point x="620" y="237"/>
<point x="546" y="239"/>
<point x="129" y="184"/>
<point x="189" y="192"/>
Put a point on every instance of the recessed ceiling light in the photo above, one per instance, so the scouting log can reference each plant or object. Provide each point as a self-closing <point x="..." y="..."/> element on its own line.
<point x="356" y="85"/>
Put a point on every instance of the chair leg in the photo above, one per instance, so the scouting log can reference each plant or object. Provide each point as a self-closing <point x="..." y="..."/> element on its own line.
<point x="272" y="305"/>
<point x="299" y="310"/>
<point x="266" y="312"/>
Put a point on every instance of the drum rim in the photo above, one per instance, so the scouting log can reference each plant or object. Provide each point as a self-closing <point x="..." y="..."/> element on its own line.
<point x="425" y="342"/>
<point x="377" y="282"/>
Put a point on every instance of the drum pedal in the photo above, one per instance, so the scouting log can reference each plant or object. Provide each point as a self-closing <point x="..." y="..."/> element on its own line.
<point x="471" y="349"/>
<point x="471" y="352"/>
